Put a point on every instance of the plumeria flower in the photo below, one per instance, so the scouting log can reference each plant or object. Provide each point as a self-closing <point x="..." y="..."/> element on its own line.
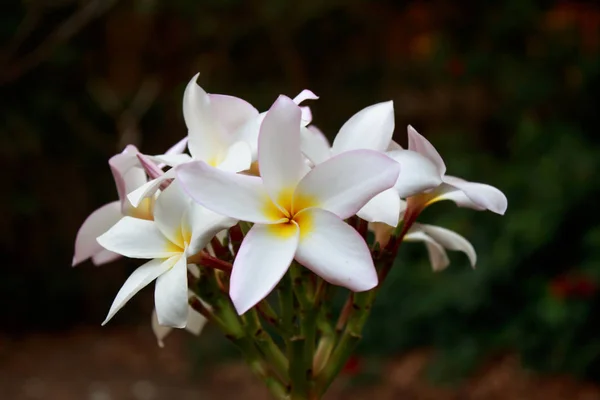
<point x="477" y="196"/>
<point x="127" y="178"/>
<point x="372" y="129"/>
<point x="180" y="229"/>
<point x="436" y="239"/>
<point x="195" y="324"/>
<point x="297" y="214"/>
<point x="212" y="121"/>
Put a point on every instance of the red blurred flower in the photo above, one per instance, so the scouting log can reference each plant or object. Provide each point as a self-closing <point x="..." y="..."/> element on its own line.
<point x="572" y="286"/>
<point x="352" y="366"/>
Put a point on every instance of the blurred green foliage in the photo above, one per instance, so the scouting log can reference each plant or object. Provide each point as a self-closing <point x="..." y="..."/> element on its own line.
<point x="507" y="91"/>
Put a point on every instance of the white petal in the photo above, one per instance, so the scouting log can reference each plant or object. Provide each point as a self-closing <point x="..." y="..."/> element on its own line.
<point x="279" y="156"/>
<point x="149" y="188"/>
<point x="137" y="238"/>
<point x="385" y="207"/>
<point x="450" y="240"/>
<point x="382" y="232"/>
<point x="418" y="173"/>
<point x="346" y="182"/>
<point x="196" y="321"/>
<point x="237" y="196"/>
<point x="249" y="134"/>
<point x="305" y="95"/>
<point x="178" y="147"/>
<point x="171" y="205"/>
<point x="172" y="160"/>
<point x="264" y="257"/>
<point x="335" y="251"/>
<point x="104" y="257"/>
<point x="139" y="279"/>
<point x="394" y="146"/>
<point x="437" y="255"/>
<point x="314" y="144"/>
<point x="418" y="143"/>
<point x="171" y="295"/>
<point x="484" y="197"/>
<point x="206" y="137"/>
<point x="231" y="112"/>
<point x="204" y="225"/>
<point x="371" y="128"/>
<point x="238" y="158"/>
<point x="95" y="225"/>
<point x="161" y="332"/>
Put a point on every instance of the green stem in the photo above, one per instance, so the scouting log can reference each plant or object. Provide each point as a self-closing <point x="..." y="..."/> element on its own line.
<point x="298" y="377"/>
<point x="266" y="345"/>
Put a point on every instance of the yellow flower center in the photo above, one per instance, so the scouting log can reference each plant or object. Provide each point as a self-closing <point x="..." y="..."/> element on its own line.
<point x="290" y="214"/>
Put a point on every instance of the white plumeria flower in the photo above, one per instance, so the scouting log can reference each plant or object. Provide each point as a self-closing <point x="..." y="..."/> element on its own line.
<point x="212" y="121"/>
<point x="477" y="196"/>
<point x="372" y="128"/>
<point x="195" y="324"/>
<point x="296" y="214"/>
<point x="127" y="178"/>
<point x="180" y="228"/>
<point x="436" y="239"/>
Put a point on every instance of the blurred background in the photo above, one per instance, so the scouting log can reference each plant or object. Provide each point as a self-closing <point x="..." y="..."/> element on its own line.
<point x="507" y="91"/>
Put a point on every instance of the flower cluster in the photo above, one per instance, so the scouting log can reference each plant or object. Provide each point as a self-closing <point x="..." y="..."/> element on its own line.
<point x="264" y="196"/>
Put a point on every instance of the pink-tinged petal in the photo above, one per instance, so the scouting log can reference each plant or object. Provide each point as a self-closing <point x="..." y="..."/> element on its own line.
<point x="171" y="295"/>
<point x="384" y="207"/>
<point x="418" y="143"/>
<point x="383" y="232"/>
<point x="161" y="332"/>
<point x="171" y="205"/>
<point x="237" y="196"/>
<point x="305" y="95"/>
<point x="178" y="147"/>
<point x="238" y="158"/>
<point x="206" y="137"/>
<point x="314" y="145"/>
<point x="437" y="255"/>
<point x="345" y="183"/>
<point x="264" y="257"/>
<point x="137" y="238"/>
<point x="482" y="196"/>
<point x="127" y="173"/>
<point x="149" y="188"/>
<point x="104" y="257"/>
<point x="231" y="112"/>
<point x="418" y="173"/>
<point x="95" y="225"/>
<point x="279" y="156"/>
<point x="371" y="129"/>
<point x="306" y="116"/>
<point x="203" y="225"/>
<point x="394" y="146"/>
<point x="335" y="251"/>
<point x="450" y="240"/>
<point x="139" y="279"/>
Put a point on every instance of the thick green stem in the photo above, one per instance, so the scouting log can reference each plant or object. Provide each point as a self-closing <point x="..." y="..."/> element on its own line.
<point x="298" y="376"/>
<point x="277" y="360"/>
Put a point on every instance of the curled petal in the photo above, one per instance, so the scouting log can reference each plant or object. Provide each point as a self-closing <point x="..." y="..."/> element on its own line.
<point x="237" y="196"/>
<point x="171" y="295"/>
<point x="345" y="183"/>
<point x="335" y="251"/>
<point x="206" y="137"/>
<point x="127" y="173"/>
<point x="178" y="147"/>
<point x="314" y="144"/>
<point x="418" y="143"/>
<point x="149" y="188"/>
<point x="305" y="95"/>
<point x="449" y="240"/>
<point x="418" y="173"/>
<point x="371" y="128"/>
<point x="137" y="238"/>
<point x="264" y="257"/>
<point x="139" y="279"/>
<point x="204" y="225"/>
<point x="279" y="157"/>
<point x="437" y="254"/>
<point x="481" y="196"/>
<point x="385" y="207"/>
<point x="95" y="225"/>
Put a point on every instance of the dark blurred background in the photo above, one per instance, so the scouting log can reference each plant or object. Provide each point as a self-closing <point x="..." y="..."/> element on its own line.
<point x="507" y="91"/>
